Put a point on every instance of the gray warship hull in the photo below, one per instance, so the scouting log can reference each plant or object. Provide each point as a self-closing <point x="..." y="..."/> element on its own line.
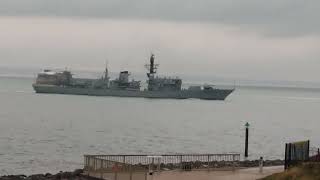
<point x="158" y="87"/>
<point x="213" y="94"/>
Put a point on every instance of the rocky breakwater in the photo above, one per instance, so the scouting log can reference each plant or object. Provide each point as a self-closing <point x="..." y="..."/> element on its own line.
<point x="75" y="175"/>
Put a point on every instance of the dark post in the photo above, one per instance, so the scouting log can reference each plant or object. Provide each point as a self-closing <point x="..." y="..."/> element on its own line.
<point x="308" y="150"/>
<point x="208" y="163"/>
<point x="289" y="156"/>
<point x="246" y="142"/>
<point x="261" y="165"/>
<point x="286" y="157"/>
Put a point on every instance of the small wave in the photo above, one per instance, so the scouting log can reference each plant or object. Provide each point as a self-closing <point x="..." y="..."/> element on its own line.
<point x="23" y="91"/>
<point x="304" y="98"/>
<point x="4" y="91"/>
<point x="101" y="131"/>
<point x="47" y="140"/>
<point x="19" y="91"/>
<point x="11" y="75"/>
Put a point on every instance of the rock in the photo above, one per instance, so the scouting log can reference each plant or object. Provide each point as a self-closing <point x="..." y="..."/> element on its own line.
<point x="77" y="172"/>
<point x="66" y="175"/>
<point x="13" y="177"/>
<point x="36" y="177"/>
<point x="48" y="175"/>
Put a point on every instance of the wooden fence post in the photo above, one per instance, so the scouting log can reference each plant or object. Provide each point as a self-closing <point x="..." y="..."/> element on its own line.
<point x="208" y="163"/>
<point x="233" y="163"/>
<point x="308" y="150"/>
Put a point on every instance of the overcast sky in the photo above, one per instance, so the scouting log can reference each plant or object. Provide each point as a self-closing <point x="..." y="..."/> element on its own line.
<point x="250" y="39"/>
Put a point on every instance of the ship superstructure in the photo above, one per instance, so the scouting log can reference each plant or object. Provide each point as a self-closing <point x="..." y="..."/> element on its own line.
<point x="156" y="83"/>
<point x="157" y="87"/>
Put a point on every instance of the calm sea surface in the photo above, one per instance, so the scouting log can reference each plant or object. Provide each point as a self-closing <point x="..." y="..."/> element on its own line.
<point x="48" y="133"/>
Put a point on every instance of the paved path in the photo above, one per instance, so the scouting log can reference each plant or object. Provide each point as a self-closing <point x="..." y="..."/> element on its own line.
<point x="240" y="174"/>
<point x="243" y="174"/>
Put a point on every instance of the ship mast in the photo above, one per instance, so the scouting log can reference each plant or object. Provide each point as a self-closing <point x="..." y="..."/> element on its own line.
<point x="106" y="75"/>
<point x="106" y="72"/>
<point x="152" y="68"/>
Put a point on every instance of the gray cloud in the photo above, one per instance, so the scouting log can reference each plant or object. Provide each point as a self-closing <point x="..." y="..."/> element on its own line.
<point x="250" y="39"/>
<point x="272" y="17"/>
<point x="200" y="48"/>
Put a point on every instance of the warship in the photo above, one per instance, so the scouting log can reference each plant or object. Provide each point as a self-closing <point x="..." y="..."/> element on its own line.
<point x="62" y="82"/>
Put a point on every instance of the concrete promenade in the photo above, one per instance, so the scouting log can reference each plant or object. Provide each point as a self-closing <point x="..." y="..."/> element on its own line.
<point x="241" y="174"/>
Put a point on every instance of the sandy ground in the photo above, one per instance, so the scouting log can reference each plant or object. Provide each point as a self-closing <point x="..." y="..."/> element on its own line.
<point x="240" y="174"/>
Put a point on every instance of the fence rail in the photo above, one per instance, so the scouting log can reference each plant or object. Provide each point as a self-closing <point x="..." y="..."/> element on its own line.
<point x="314" y="154"/>
<point x="314" y="151"/>
<point x="111" y="163"/>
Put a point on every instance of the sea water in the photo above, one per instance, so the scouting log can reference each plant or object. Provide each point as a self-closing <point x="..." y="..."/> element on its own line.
<point x="42" y="133"/>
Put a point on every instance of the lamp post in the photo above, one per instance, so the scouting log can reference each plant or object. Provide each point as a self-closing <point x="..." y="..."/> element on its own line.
<point x="246" y="141"/>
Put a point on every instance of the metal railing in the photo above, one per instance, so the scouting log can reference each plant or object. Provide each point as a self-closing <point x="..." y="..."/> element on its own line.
<point x="314" y="154"/>
<point x="123" y="163"/>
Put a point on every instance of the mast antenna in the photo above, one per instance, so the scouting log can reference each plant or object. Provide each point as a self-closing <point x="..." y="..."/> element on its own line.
<point x="152" y="67"/>
<point x="106" y="72"/>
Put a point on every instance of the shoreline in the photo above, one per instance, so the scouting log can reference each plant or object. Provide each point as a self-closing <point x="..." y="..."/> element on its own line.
<point x="75" y="175"/>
